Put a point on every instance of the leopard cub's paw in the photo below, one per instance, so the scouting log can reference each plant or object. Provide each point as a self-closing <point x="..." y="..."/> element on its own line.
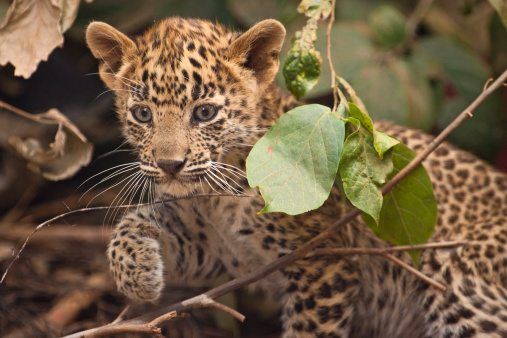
<point x="135" y="261"/>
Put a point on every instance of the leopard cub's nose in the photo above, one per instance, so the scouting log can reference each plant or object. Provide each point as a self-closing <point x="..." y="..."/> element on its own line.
<point x="171" y="167"/>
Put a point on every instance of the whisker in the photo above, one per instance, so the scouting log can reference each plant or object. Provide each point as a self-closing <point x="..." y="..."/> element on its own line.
<point x="200" y="183"/>
<point x="106" y="170"/>
<point x="211" y="186"/>
<point x="121" y="77"/>
<point x="114" y="90"/>
<point x="111" y="69"/>
<point x="153" y="200"/>
<point x="231" y="167"/>
<point x="232" y="179"/>
<point x="226" y="180"/>
<point x="120" y="194"/>
<point x="115" y="75"/>
<point x="110" y="176"/>
<point x="130" y="178"/>
<point x="220" y="186"/>
<point x="133" y="191"/>
<point x="242" y="144"/>
<point x="129" y="195"/>
<point x="226" y="186"/>
<point x="141" y="197"/>
<point x="111" y="187"/>
<point x="236" y="172"/>
<point x="228" y="165"/>
<point x="114" y="151"/>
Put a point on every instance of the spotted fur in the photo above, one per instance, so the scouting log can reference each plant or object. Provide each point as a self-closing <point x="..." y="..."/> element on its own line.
<point x="179" y="65"/>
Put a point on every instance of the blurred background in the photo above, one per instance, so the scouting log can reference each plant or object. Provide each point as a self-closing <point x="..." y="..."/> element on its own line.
<point x="60" y="283"/>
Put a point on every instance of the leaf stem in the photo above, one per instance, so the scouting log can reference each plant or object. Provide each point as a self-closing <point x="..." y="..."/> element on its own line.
<point x="329" y="27"/>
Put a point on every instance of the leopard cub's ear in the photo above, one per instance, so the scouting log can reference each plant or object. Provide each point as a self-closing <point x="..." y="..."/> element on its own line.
<point x="109" y="46"/>
<point x="258" y="49"/>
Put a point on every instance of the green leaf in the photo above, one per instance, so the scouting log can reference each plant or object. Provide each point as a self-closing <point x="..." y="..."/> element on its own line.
<point x="295" y="163"/>
<point x="362" y="116"/>
<point x="388" y="26"/>
<point x="409" y="211"/>
<point x="381" y="141"/>
<point x="301" y="70"/>
<point x="362" y="171"/>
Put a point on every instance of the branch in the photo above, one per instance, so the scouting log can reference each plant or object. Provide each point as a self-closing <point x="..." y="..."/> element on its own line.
<point x="381" y="251"/>
<point x="83" y="210"/>
<point x="205" y="301"/>
<point x="334" y="88"/>
<point x="313" y="243"/>
<point x="386" y="252"/>
<point x="462" y="117"/>
<point x="414" y="271"/>
<point x="59" y="233"/>
<point x="153" y="326"/>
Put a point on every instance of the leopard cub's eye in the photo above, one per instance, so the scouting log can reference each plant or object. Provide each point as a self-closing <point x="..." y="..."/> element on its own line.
<point x="141" y="113"/>
<point x="204" y="113"/>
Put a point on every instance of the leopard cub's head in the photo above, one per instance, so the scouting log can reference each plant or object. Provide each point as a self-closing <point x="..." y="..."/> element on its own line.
<point x="187" y="92"/>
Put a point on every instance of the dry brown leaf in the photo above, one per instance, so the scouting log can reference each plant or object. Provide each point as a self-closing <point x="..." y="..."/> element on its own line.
<point x="31" y="29"/>
<point x="56" y="156"/>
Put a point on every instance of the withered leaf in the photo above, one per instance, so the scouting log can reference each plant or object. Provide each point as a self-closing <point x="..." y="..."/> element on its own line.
<point x="56" y="155"/>
<point x="31" y="29"/>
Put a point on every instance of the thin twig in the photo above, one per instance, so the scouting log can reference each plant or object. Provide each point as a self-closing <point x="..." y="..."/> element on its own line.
<point x="122" y="315"/>
<point x="313" y="243"/>
<point x="205" y="301"/>
<point x="163" y="318"/>
<point x="82" y="210"/>
<point x="62" y="233"/>
<point x="414" y="271"/>
<point x="153" y="326"/>
<point x="462" y="117"/>
<point x="386" y="252"/>
<point x="329" y="58"/>
<point x="380" y="251"/>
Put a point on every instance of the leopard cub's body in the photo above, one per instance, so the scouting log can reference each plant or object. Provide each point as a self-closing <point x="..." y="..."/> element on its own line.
<point x="192" y="96"/>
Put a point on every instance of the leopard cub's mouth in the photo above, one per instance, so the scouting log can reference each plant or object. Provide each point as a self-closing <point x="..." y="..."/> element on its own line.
<point x="190" y="178"/>
<point x="176" y="182"/>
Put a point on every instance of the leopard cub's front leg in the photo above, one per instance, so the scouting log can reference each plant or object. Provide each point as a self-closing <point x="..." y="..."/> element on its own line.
<point x="135" y="259"/>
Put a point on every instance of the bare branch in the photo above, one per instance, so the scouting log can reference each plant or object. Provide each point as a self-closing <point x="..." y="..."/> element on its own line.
<point x="83" y="210"/>
<point x="329" y="27"/>
<point x="122" y="315"/>
<point x="414" y="271"/>
<point x="464" y="115"/>
<point x="204" y="301"/>
<point x="381" y="251"/>
<point x="386" y="252"/>
<point x="153" y="326"/>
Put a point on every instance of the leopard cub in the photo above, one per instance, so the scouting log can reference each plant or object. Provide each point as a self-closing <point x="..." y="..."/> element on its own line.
<point x="191" y="96"/>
